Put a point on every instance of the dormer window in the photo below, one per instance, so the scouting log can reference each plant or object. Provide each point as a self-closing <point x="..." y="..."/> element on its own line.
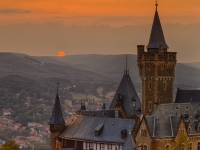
<point x="123" y="134"/>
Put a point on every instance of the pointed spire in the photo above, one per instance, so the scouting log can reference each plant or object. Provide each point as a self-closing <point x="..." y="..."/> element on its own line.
<point x="157" y="39"/>
<point x="126" y="69"/>
<point x="57" y="117"/>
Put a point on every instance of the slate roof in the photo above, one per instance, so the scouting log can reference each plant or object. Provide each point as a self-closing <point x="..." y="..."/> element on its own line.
<point x="47" y="149"/>
<point x="57" y="149"/>
<point x="129" y="144"/>
<point x="187" y="96"/>
<point x="128" y="92"/>
<point x="157" y="36"/>
<point x="99" y="113"/>
<point x="57" y="117"/>
<point x="83" y="128"/>
<point x="165" y="119"/>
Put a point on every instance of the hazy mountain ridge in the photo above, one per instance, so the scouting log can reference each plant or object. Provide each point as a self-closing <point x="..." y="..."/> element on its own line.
<point x="113" y="66"/>
<point x="29" y="67"/>
<point x="194" y="64"/>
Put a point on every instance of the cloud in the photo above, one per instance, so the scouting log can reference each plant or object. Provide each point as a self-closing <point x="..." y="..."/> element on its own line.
<point x="16" y="11"/>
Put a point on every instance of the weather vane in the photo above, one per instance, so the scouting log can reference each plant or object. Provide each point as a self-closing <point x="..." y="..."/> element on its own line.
<point x="156" y="4"/>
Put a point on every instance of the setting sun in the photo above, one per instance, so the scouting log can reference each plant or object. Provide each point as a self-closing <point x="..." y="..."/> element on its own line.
<point x="61" y="54"/>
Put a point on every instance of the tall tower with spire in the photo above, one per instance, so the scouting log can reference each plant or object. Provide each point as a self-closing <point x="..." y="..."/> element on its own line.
<point x="156" y="69"/>
<point x="57" y="123"/>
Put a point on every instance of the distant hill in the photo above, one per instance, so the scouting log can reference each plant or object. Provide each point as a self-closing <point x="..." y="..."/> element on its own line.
<point x="113" y="66"/>
<point x="194" y="64"/>
<point x="27" y="66"/>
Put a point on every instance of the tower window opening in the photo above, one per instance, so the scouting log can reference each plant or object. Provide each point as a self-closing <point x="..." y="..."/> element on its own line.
<point x="150" y="85"/>
<point x="164" y="85"/>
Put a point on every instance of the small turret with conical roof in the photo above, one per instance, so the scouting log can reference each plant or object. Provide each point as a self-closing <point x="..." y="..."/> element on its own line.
<point x="57" y="123"/>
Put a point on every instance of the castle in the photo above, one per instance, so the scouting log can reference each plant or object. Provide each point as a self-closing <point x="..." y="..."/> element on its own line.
<point x="128" y="124"/>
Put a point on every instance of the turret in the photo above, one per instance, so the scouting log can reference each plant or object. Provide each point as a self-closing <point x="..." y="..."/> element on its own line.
<point x="57" y="123"/>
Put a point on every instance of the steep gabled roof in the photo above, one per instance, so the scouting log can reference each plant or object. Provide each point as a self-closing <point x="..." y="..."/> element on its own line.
<point x="57" y="117"/>
<point x="166" y="118"/>
<point x="188" y="96"/>
<point x="127" y="90"/>
<point x="129" y="144"/>
<point x="83" y="128"/>
<point x="157" y="36"/>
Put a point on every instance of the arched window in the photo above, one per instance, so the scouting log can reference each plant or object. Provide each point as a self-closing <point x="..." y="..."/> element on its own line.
<point x="198" y="146"/>
<point x="167" y="147"/>
<point x="143" y="147"/>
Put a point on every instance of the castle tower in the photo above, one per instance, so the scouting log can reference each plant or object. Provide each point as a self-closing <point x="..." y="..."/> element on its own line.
<point x="57" y="123"/>
<point x="156" y="69"/>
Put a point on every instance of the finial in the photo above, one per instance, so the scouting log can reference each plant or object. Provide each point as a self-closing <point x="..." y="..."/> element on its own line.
<point x="126" y="69"/>
<point x="156" y="4"/>
<point x="57" y="87"/>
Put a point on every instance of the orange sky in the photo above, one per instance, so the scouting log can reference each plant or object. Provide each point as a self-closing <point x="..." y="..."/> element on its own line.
<point x="100" y="12"/>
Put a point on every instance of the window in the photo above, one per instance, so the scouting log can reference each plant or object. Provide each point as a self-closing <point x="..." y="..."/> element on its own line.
<point x="143" y="132"/>
<point x="167" y="147"/>
<point x="143" y="147"/>
<point x="109" y="147"/>
<point x="101" y="146"/>
<point x="164" y="85"/>
<point x="190" y="146"/>
<point x="150" y="86"/>
<point x="198" y="146"/>
<point x="182" y="132"/>
<point x="89" y="146"/>
<point x="120" y="147"/>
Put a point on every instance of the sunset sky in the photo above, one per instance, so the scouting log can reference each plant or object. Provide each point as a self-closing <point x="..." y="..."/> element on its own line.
<point x="100" y="12"/>
<point x="45" y="27"/>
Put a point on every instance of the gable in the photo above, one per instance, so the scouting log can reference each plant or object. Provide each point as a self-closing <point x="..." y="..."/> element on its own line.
<point x="127" y="90"/>
<point x="143" y="131"/>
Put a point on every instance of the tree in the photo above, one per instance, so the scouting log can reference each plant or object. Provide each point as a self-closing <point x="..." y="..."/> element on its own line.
<point x="180" y="143"/>
<point x="10" y="145"/>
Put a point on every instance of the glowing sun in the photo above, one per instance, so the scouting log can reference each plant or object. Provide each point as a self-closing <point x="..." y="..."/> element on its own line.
<point x="61" y="54"/>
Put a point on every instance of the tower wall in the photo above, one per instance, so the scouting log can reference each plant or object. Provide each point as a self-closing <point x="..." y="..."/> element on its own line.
<point x="157" y="71"/>
<point x="55" y="131"/>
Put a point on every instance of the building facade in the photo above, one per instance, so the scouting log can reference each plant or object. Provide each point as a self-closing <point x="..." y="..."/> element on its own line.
<point x="170" y="126"/>
<point x="156" y="69"/>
